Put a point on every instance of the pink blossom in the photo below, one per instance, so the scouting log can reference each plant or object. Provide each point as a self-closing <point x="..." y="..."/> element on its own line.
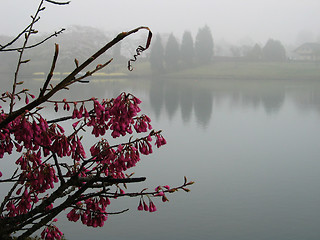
<point x="140" y="207"/>
<point x="152" y="207"/>
<point x="160" y="140"/>
<point x="51" y="233"/>
<point x="38" y="139"/>
<point x="145" y="206"/>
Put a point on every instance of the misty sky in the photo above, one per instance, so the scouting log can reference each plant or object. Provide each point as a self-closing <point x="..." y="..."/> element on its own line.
<point x="231" y="20"/>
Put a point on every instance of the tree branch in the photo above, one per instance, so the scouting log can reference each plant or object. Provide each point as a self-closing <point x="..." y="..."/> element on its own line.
<point x="57" y="3"/>
<point x="107" y="181"/>
<point x="2" y="48"/>
<point x="13" y="115"/>
<point x="34" y="45"/>
<point x="55" y="57"/>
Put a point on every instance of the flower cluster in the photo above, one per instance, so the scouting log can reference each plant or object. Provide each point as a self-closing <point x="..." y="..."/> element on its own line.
<point x="143" y="206"/>
<point x="36" y="177"/>
<point x="37" y="139"/>
<point x="160" y="192"/>
<point x="22" y="205"/>
<point x="51" y="233"/>
<point x="92" y="211"/>
<point x="118" y="115"/>
<point x="117" y="160"/>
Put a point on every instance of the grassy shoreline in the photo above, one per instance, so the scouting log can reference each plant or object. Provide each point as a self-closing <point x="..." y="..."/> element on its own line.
<point x="241" y="70"/>
<point x="234" y="70"/>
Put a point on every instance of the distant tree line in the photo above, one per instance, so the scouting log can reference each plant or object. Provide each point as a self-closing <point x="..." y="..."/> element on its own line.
<point x="174" y="55"/>
<point x="273" y="50"/>
<point x="167" y="54"/>
<point x="170" y="55"/>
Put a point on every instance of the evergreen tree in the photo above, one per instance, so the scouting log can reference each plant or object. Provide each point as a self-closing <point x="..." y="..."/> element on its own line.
<point x="204" y="45"/>
<point x="255" y="53"/>
<point x="235" y="51"/>
<point x="274" y="51"/>
<point x="172" y="53"/>
<point x="187" y="49"/>
<point x="157" y="55"/>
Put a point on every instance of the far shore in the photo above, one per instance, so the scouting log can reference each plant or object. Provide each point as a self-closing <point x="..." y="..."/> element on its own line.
<point x="240" y="70"/>
<point x="292" y="70"/>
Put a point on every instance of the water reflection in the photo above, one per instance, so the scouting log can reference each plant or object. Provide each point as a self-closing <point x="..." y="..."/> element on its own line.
<point x="198" y="98"/>
<point x="186" y="103"/>
<point x="251" y="146"/>
<point x="306" y="97"/>
<point x="156" y="96"/>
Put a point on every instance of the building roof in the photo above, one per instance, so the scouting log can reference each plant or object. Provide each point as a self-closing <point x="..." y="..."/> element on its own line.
<point x="315" y="47"/>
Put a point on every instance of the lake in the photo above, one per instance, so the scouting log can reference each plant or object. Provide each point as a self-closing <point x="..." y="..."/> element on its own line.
<point x="252" y="148"/>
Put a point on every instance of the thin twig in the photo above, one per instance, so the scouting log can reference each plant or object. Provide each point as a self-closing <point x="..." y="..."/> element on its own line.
<point x="57" y="3"/>
<point x="27" y="36"/>
<point x="36" y="44"/>
<point x="53" y="65"/>
<point x="58" y="168"/>
<point x="2" y="48"/>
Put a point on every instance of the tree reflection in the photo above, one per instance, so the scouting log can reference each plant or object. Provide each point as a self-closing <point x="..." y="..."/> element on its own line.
<point x="188" y="98"/>
<point x="186" y="102"/>
<point x="156" y="95"/>
<point x="171" y="100"/>
<point x="203" y="99"/>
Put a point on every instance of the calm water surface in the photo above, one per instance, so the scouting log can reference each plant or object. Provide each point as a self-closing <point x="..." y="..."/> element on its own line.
<point x="252" y="147"/>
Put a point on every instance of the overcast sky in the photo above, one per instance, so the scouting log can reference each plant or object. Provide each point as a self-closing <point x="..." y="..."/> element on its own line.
<point x="231" y="20"/>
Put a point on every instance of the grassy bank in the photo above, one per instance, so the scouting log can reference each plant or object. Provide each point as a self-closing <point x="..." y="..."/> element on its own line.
<point x="241" y="70"/>
<point x="254" y="71"/>
<point x="217" y="70"/>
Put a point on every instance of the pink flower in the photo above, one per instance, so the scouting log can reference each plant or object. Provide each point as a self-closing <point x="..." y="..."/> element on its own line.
<point x="159" y="194"/>
<point x="51" y="233"/>
<point x="160" y="140"/>
<point x="152" y="207"/>
<point x="74" y="125"/>
<point x="145" y="206"/>
<point x="27" y="99"/>
<point x="140" y="207"/>
<point x="56" y="108"/>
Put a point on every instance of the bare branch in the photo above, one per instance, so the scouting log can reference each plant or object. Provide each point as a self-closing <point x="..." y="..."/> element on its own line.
<point x="27" y="36"/>
<point x="2" y="48"/>
<point x="89" y="73"/>
<point x="55" y="57"/>
<point x="110" y="181"/>
<point x="139" y="50"/>
<point x="57" y="3"/>
<point x="58" y="168"/>
<point x="36" y="44"/>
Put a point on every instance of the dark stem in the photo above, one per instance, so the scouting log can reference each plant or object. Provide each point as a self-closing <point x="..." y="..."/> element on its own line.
<point x="55" y="57"/>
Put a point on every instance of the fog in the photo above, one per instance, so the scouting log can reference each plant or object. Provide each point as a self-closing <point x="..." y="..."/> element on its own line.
<point x="251" y="145"/>
<point x="289" y="21"/>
